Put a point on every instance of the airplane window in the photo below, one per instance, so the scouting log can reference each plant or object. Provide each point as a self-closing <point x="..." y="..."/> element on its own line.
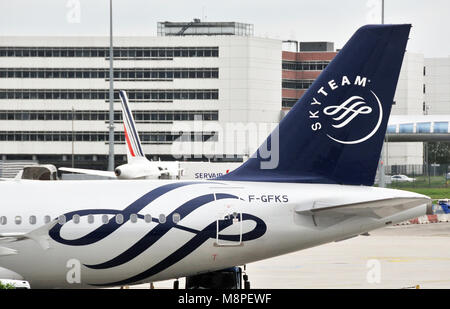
<point x="119" y="219"/>
<point x="18" y="220"/>
<point x="76" y="219"/>
<point x="162" y="218"/>
<point x="148" y="218"/>
<point x="105" y="219"/>
<point x="176" y="218"/>
<point x="91" y="219"/>
<point x="62" y="219"/>
<point x="33" y="220"/>
<point x="3" y="220"/>
<point x="133" y="218"/>
<point x="47" y="219"/>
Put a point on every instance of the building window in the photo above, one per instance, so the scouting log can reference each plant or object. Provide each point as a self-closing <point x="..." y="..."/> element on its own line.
<point x="132" y="74"/>
<point x="392" y="129"/>
<point x="301" y="84"/>
<point x="288" y="102"/>
<point x="122" y="53"/>
<point x="304" y="65"/>
<point x="406" y="128"/>
<point x="441" y="127"/>
<point x="134" y="95"/>
<point x="423" y="127"/>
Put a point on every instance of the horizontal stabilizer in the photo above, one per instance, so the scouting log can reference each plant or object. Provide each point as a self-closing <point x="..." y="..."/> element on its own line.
<point x="88" y="172"/>
<point x="372" y="209"/>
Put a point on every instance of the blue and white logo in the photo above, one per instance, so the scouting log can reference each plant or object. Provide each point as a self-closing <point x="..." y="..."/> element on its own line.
<point x="353" y="121"/>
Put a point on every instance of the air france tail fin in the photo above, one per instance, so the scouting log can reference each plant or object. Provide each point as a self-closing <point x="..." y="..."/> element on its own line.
<point x="134" y="147"/>
<point x="335" y="132"/>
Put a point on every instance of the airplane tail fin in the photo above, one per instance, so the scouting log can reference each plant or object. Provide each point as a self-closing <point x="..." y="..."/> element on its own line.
<point x="335" y="132"/>
<point x="134" y="146"/>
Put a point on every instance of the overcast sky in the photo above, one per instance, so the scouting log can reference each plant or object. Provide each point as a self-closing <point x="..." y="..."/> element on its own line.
<point x="303" y="20"/>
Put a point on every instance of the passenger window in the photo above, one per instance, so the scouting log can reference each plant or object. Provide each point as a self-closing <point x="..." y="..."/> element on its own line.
<point x="76" y="219"/>
<point x="33" y="220"/>
<point x="162" y="218"/>
<point x="62" y="219"/>
<point x="3" y="220"/>
<point x="18" y="220"/>
<point x="47" y="219"/>
<point x="91" y="219"/>
<point x="133" y="218"/>
<point x="148" y="218"/>
<point x="176" y="218"/>
<point x="119" y="219"/>
<point x="105" y="219"/>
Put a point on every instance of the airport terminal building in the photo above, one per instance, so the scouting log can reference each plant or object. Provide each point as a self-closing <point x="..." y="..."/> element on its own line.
<point x="183" y="89"/>
<point x="198" y="91"/>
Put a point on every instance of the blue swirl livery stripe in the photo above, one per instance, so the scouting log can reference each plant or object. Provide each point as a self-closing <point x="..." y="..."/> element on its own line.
<point x="161" y="229"/>
<point x="156" y="233"/>
<point x="199" y="239"/>
<point x="106" y="229"/>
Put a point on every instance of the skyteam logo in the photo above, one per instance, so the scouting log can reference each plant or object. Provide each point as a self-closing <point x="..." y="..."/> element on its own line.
<point x="346" y="110"/>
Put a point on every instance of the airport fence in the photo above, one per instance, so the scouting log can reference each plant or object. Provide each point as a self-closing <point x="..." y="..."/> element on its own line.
<point x="419" y="176"/>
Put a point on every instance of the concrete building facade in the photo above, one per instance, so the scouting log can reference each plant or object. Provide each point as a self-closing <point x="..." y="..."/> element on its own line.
<point x="408" y="100"/>
<point x="198" y="91"/>
<point x="54" y="90"/>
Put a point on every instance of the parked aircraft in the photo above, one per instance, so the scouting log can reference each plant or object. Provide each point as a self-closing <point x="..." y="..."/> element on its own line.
<point x="310" y="183"/>
<point x="138" y="166"/>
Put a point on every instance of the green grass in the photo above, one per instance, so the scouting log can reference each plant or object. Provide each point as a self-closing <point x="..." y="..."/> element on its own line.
<point x="434" y="193"/>
<point x="435" y="187"/>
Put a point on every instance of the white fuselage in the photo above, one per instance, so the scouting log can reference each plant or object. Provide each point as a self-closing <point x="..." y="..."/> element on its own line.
<point x="156" y="248"/>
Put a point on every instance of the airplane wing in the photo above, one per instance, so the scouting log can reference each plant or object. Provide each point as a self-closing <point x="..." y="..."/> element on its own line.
<point x="39" y="235"/>
<point x="88" y="172"/>
<point x="374" y="209"/>
<point x="325" y="214"/>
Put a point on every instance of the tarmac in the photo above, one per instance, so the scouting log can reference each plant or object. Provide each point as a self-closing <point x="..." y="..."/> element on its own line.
<point x="409" y="256"/>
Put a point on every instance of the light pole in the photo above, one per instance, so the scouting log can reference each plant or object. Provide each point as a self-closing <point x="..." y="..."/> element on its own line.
<point x="111" y="93"/>
<point x="381" y="165"/>
<point x="73" y="138"/>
